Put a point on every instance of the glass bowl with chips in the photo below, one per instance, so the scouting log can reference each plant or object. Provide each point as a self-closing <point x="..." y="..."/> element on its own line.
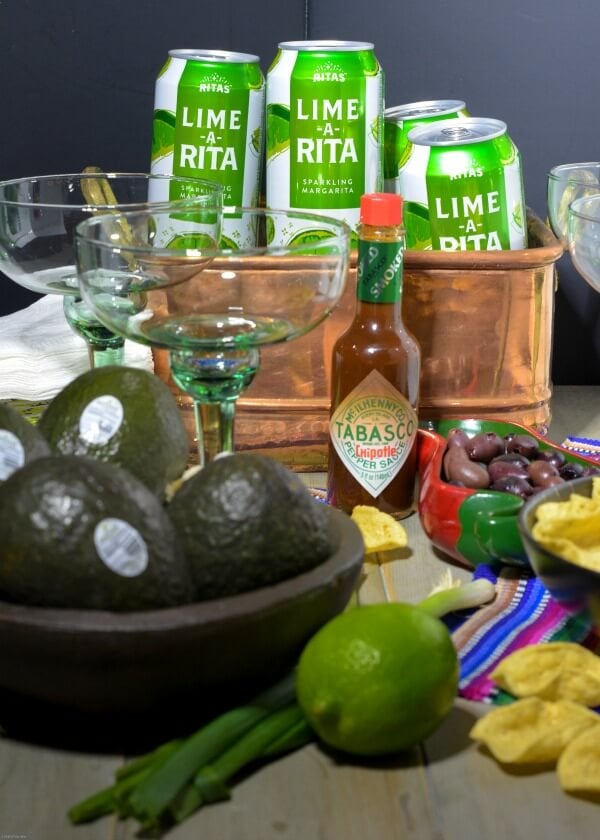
<point x="560" y="527"/>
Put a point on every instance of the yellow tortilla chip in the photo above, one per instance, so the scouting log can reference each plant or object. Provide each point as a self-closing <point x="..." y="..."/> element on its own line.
<point x="578" y="767"/>
<point x="532" y="731"/>
<point x="380" y="531"/>
<point x="571" y="528"/>
<point x="552" y="671"/>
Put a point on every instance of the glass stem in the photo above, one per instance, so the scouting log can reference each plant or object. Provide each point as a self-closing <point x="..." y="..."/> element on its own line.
<point x="214" y="429"/>
<point x="102" y="356"/>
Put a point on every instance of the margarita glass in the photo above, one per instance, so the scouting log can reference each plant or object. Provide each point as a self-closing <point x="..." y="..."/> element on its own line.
<point x="38" y="217"/>
<point x="566" y="183"/>
<point x="213" y="309"/>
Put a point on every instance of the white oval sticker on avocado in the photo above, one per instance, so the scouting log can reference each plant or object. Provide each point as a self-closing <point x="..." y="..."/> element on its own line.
<point x="12" y="454"/>
<point x="121" y="547"/>
<point x="101" y="419"/>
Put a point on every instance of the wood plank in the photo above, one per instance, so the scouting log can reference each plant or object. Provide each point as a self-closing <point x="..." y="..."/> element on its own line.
<point x="38" y="785"/>
<point x="310" y="795"/>
<point x="478" y="798"/>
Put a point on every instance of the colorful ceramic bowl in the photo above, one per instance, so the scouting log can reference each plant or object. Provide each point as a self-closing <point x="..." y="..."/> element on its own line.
<point x="568" y="582"/>
<point x="473" y="526"/>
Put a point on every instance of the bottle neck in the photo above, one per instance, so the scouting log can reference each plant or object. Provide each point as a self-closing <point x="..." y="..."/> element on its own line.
<point x="379" y="269"/>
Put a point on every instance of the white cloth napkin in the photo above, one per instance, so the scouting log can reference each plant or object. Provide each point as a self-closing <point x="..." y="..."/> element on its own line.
<point x="40" y="353"/>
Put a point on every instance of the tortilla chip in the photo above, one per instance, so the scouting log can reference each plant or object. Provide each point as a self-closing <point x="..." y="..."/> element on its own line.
<point x="380" y="531"/>
<point x="578" y="767"/>
<point x="532" y="731"/>
<point x="551" y="671"/>
<point x="571" y="528"/>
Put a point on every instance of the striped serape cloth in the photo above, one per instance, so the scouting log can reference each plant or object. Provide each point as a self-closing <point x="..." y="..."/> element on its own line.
<point x="523" y="613"/>
<point x="588" y="447"/>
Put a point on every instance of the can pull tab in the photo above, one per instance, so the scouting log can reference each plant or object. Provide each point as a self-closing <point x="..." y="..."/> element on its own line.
<point x="456" y="132"/>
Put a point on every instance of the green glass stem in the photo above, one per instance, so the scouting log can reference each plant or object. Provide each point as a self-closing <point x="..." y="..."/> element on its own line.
<point x="214" y="379"/>
<point x="214" y="429"/>
<point x="103" y="356"/>
<point x="103" y="346"/>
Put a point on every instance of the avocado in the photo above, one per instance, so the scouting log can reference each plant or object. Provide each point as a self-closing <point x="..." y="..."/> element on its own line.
<point x="247" y="521"/>
<point x="124" y="415"/>
<point x="20" y="441"/>
<point x="80" y="533"/>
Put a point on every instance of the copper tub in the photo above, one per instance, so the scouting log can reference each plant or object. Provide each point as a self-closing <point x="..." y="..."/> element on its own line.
<point x="484" y="321"/>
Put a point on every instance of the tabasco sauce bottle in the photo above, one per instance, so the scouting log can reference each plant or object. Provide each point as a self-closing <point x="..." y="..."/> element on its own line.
<point x="375" y="376"/>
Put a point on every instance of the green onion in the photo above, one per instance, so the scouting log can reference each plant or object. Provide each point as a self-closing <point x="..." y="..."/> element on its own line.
<point x="210" y="783"/>
<point x="149" y="759"/>
<point x="464" y="597"/>
<point x="151" y="799"/>
<point x="105" y="801"/>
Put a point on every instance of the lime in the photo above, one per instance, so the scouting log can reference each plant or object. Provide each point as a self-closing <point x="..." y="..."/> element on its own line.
<point x="195" y="241"/>
<point x="124" y="415"/>
<point x="278" y="129"/>
<point x="163" y="133"/>
<point x="418" y="229"/>
<point x="255" y="140"/>
<point x="226" y="243"/>
<point x="378" y="679"/>
<point x="306" y="237"/>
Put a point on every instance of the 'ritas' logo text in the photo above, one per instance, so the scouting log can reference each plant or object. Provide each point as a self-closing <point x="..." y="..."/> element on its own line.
<point x="329" y="72"/>
<point x="214" y="83"/>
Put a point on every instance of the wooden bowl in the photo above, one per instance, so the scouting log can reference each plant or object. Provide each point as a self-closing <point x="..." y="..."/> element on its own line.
<point x="126" y="667"/>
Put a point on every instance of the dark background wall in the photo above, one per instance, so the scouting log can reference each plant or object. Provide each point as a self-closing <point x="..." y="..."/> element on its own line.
<point x="78" y="85"/>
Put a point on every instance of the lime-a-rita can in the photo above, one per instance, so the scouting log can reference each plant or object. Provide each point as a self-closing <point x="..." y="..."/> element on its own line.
<point x="399" y="120"/>
<point x="324" y="131"/>
<point x="209" y="123"/>
<point x="463" y="187"/>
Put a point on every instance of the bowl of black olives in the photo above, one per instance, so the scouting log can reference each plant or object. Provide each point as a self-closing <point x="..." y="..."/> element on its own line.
<point x="476" y="475"/>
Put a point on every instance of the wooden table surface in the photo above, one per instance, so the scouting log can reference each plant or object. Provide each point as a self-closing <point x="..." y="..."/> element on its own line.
<point x="447" y="789"/>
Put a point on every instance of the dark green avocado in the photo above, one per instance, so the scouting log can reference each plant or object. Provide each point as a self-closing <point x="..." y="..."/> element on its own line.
<point x="246" y="521"/>
<point x="80" y="533"/>
<point x="124" y="415"/>
<point x="20" y="441"/>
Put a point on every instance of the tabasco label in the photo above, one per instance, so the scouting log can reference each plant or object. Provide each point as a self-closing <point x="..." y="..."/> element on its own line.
<point x="373" y="431"/>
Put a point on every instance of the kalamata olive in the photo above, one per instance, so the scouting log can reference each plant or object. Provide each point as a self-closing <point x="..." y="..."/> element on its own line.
<point x="459" y="467"/>
<point x="457" y="437"/>
<point x="553" y="456"/>
<point x="485" y="446"/>
<point x="552" y="480"/>
<point x="499" y="469"/>
<point x="514" y="484"/>
<point x="539" y="472"/>
<point x="523" y="445"/>
<point x="512" y="458"/>
<point x="571" y="470"/>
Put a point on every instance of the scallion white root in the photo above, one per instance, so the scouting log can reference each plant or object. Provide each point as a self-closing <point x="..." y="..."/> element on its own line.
<point x="465" y="596"/>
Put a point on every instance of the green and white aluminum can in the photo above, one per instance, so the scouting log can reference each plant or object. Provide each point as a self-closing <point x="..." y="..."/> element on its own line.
<point x="209" y="123"/>
<point x="324" y="131"/>
<point x="463" y="187"/>
<point x="399" y="120"/>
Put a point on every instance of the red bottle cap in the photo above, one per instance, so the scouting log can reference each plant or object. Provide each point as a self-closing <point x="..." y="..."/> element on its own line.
<point x="381" y="209"/>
